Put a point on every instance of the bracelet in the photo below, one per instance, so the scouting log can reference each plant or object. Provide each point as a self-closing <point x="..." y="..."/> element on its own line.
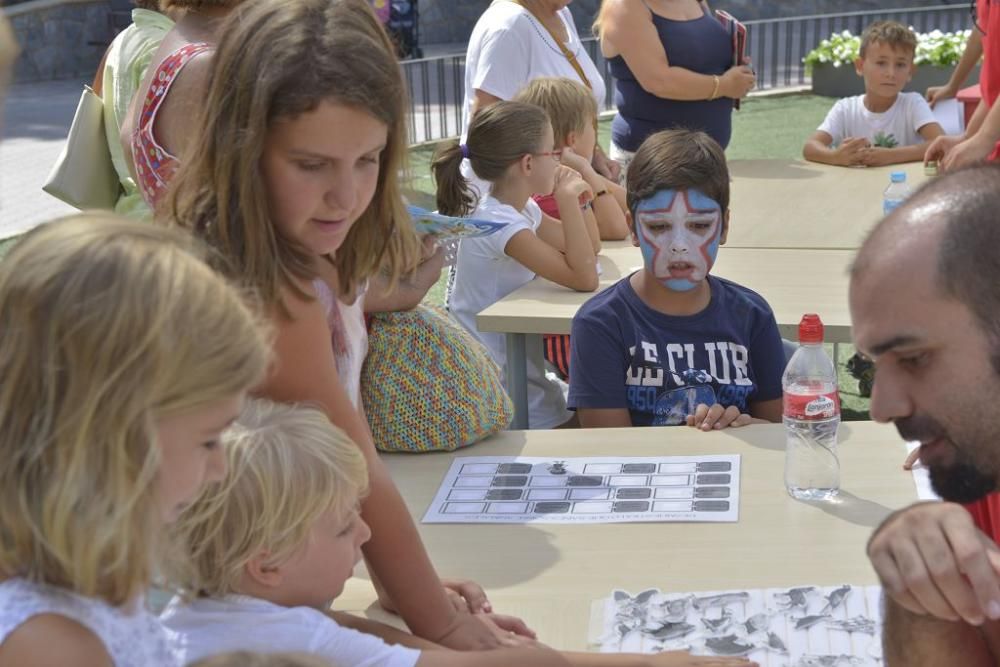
<point x="715" y="91"/>
<point x="602" y="192"/>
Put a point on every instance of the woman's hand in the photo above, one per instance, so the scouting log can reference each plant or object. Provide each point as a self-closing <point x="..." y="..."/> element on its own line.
<point x="481" y="632"/>
<point x="737" y="82"/>
<point x="605" y="166"/>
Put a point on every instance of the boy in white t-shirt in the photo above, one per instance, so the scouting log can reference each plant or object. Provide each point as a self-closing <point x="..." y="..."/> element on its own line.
<point x="883" y="126"/>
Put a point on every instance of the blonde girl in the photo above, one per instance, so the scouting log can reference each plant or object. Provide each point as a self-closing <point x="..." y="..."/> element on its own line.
<point x="123" y="356"/>
<point x="263" y="553"/>
<point x="511" y="147"/>
<point x="296" y="184"/>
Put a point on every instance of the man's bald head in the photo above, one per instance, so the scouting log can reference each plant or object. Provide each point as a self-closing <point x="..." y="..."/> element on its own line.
<point x="952" y="225"/>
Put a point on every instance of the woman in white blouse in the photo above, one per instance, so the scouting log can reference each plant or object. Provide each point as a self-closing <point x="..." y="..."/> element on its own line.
<point x="517" y="41"/>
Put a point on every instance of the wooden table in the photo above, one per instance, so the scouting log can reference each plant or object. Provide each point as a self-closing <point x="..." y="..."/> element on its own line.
<point x="794" y="282"/>
<point x="798" y="204"/>
<point x="549" y="574"/>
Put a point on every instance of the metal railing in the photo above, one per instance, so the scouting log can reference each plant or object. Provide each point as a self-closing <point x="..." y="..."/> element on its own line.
<point x="777" y="46"/>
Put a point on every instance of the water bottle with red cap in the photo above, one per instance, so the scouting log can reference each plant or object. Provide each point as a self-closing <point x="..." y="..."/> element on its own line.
<point x="811" y="416"/>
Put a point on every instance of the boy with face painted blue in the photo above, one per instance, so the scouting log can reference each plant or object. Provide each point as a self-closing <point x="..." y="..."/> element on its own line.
<point x="672" y="344"/>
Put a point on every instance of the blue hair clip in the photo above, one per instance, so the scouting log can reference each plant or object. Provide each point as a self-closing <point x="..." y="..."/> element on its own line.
<point x="464" y="148"/>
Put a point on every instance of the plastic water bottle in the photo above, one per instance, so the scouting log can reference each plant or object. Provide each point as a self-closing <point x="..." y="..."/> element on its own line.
<point x="896" y="193"/>
<point x="811" y="416"/>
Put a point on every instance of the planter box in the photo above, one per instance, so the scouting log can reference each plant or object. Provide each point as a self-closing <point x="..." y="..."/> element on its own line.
<point x="843" y="81"/>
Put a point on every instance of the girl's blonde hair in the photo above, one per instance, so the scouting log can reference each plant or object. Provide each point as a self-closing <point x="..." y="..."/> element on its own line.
<point x="499" y="135"/>
<point x="106" y="326"/>
<point x="569" y="105"/>
<point x="276" y="60"/>
<point x="287" y="466"/>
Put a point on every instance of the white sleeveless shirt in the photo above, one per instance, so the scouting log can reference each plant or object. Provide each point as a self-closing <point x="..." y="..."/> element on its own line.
<point x="348" y="335"/>
<point x="131" y="638"/>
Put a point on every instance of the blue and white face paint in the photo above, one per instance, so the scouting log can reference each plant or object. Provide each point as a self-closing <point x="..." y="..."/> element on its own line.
<point x="679" y="233"/>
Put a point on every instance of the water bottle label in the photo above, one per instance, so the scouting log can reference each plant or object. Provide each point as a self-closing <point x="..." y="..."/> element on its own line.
<point x="888" y="205"/>
<point x="812" y="406"/>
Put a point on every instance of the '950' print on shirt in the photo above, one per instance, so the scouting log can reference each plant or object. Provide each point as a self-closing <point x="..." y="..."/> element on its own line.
<point x="669" y="383"/>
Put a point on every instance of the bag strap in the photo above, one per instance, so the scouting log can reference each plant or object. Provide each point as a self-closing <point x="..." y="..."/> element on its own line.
<point x="562" y="45"/>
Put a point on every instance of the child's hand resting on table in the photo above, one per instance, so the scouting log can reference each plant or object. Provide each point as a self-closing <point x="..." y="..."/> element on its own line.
<point x="716" y="417"/>
<point x="853" y="152"/>
<point x="684" y="659"/>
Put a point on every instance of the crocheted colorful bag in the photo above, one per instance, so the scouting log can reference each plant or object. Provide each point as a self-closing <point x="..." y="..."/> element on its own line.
<point x="428" y="385"/>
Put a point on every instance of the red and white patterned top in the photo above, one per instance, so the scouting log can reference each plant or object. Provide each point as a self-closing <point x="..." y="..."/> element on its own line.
<point x="154" y="166"/>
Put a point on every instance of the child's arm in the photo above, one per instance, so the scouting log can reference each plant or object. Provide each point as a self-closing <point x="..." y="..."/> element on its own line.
<point x="604" y="417"/>
<point x="51" y="640"/>
<point x="609" y="214"/>
<point x="597" y="356"/>
<point x="851" y="151"/>
<point x="880" y="157"/>
<point x="770" y="411"/>
<point x="577" y="268"/>
<point x="973" y="52"/>
<point x="546" y="657"/>
<point x="410" y="289"/>
<point x="387" y="633"/>
<point x="305" y="371"/>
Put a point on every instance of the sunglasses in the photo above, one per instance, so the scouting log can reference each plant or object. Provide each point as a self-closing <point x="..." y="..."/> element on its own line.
<point x="556" y="155"/>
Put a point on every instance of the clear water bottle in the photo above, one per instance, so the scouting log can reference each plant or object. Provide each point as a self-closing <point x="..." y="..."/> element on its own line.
<point x="896" y="193"/>
<point x="811" y="416"/>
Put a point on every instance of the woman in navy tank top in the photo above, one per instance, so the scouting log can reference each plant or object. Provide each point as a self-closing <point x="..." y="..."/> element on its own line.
<point x="673" y="67"/>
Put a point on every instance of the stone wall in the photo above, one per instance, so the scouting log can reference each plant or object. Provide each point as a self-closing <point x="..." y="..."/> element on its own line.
<point x="451" y="21"/>
<point x="59" y="39"/>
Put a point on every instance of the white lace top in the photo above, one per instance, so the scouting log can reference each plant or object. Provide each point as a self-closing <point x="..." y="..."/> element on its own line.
<point x="348" y="335"/>
<point x="132" y="639"/>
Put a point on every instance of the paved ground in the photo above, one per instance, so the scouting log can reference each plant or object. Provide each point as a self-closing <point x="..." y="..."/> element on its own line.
<point x="37" y="117"/>
<point x="36" y="120"/>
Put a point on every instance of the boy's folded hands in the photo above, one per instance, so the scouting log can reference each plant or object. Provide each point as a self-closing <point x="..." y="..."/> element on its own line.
<point x="711" y="418"/>
<point x="853" y="152"/>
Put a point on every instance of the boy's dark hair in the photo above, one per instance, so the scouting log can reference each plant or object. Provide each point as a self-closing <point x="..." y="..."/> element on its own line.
<point x="895" y="35"/>
<point x="499" y="135"/>
<point x="678" y="160"/>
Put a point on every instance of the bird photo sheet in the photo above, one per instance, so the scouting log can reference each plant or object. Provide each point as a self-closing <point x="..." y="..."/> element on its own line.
<point x="799" y="626"/>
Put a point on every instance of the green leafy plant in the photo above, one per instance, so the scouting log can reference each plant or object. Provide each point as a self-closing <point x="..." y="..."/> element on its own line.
<point x="942" y="49"/>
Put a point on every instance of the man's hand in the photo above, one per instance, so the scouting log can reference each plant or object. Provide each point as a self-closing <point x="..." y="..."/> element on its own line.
<point x="933" y="560"/>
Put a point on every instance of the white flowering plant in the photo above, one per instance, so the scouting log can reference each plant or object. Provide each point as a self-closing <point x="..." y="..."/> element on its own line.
<point x="942" y="49"/>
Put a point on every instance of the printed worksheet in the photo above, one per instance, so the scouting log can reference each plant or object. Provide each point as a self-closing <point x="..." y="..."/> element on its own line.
<point x="508" y="489"/>
<point x="799" y="626"/>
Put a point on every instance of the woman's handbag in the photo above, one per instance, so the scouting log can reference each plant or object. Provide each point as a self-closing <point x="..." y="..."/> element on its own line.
<point x="84" y="175"/>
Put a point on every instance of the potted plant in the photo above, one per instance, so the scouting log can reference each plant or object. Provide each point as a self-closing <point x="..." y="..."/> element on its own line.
<point x="831" y="64"/>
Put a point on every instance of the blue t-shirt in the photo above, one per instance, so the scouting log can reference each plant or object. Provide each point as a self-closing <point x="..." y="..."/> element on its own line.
<point x="624" y="354"/>
<point x="701" y="45"/>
